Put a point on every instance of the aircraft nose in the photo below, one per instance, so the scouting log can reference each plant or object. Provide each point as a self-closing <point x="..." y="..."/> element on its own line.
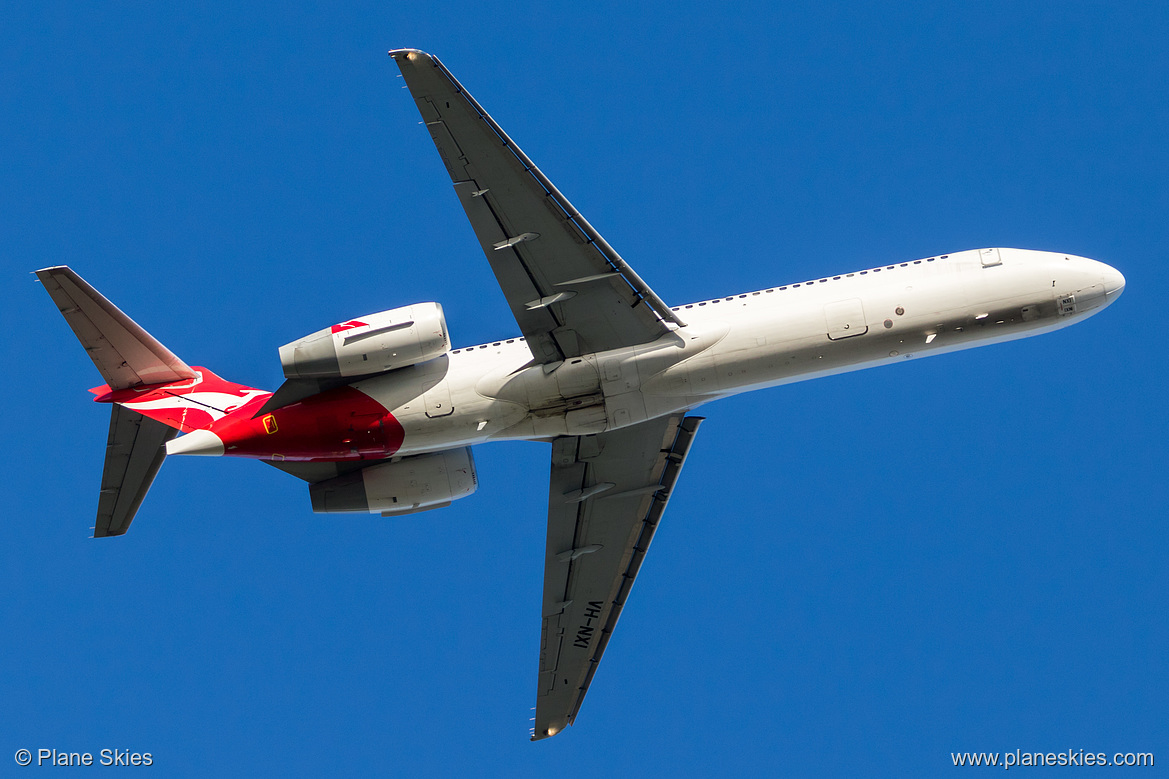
<point x="1113" y="282"/>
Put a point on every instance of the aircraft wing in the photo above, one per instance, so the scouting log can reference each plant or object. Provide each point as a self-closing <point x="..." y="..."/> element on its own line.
<point x="569" y="290"/>
<point x="606" y="495"/>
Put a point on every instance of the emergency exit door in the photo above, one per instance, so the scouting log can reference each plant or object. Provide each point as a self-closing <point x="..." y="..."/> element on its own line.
<point x="845" y="319"/>
<point x="438" y="400"/>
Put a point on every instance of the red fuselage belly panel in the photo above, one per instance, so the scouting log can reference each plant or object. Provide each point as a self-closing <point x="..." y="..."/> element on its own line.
<point x="338" y="425"/>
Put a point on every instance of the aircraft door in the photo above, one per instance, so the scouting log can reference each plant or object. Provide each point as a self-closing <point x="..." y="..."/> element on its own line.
<point x="845" y="319"/>
<point x="990" y="257"/>
<point x="438" y="401"/>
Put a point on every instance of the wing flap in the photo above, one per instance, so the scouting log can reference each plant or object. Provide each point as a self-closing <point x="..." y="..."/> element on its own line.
<point x="597" y="539"/>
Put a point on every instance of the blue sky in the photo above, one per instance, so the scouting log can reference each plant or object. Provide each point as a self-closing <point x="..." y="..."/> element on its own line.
<point x="857" y="575"/>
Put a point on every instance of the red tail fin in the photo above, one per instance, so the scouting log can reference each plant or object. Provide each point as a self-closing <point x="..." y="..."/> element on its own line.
<point x="189" y="404"/>
<point x="145" y="377"/>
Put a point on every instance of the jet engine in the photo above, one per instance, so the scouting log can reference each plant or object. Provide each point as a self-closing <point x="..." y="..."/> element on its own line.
<point x="371" y="344"/>
<point x="418" y="483"/>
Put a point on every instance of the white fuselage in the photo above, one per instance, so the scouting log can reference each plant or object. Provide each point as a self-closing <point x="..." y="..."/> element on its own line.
<point x="745" y="342"/>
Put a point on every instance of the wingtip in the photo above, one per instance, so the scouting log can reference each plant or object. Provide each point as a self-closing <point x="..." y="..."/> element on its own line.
<point x="109" y="533"/>
<point x="52" y="270"/>
<point x="407" y="53"/>
<point x="549" y="732"/>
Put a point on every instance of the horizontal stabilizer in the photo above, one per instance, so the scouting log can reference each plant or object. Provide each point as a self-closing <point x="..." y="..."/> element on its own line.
<point x="134" y="453"/>
<point x="124" y="353"/>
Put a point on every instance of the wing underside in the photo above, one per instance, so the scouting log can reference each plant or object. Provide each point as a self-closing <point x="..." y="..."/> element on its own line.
<point x="572" y="295"/>
<point x="570" y="292"/>
<point x="607" y="494"/>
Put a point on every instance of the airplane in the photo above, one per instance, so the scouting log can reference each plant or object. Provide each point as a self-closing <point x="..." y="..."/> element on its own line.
<point x="379" y="414"/>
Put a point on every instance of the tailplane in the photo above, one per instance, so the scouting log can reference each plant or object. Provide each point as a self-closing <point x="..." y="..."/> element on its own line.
<point x="154" y="394"/>
<point x="124" y="353"/>
<point x="188" y="404"/>
<point x="134" y="453"/>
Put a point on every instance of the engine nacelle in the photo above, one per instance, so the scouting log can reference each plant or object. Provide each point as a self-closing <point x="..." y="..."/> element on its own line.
<point x="371" y="344"/>
<point x="418" y="483"/>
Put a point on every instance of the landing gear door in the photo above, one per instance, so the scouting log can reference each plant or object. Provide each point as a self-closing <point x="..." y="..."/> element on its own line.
<point x="845" y="319"/>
